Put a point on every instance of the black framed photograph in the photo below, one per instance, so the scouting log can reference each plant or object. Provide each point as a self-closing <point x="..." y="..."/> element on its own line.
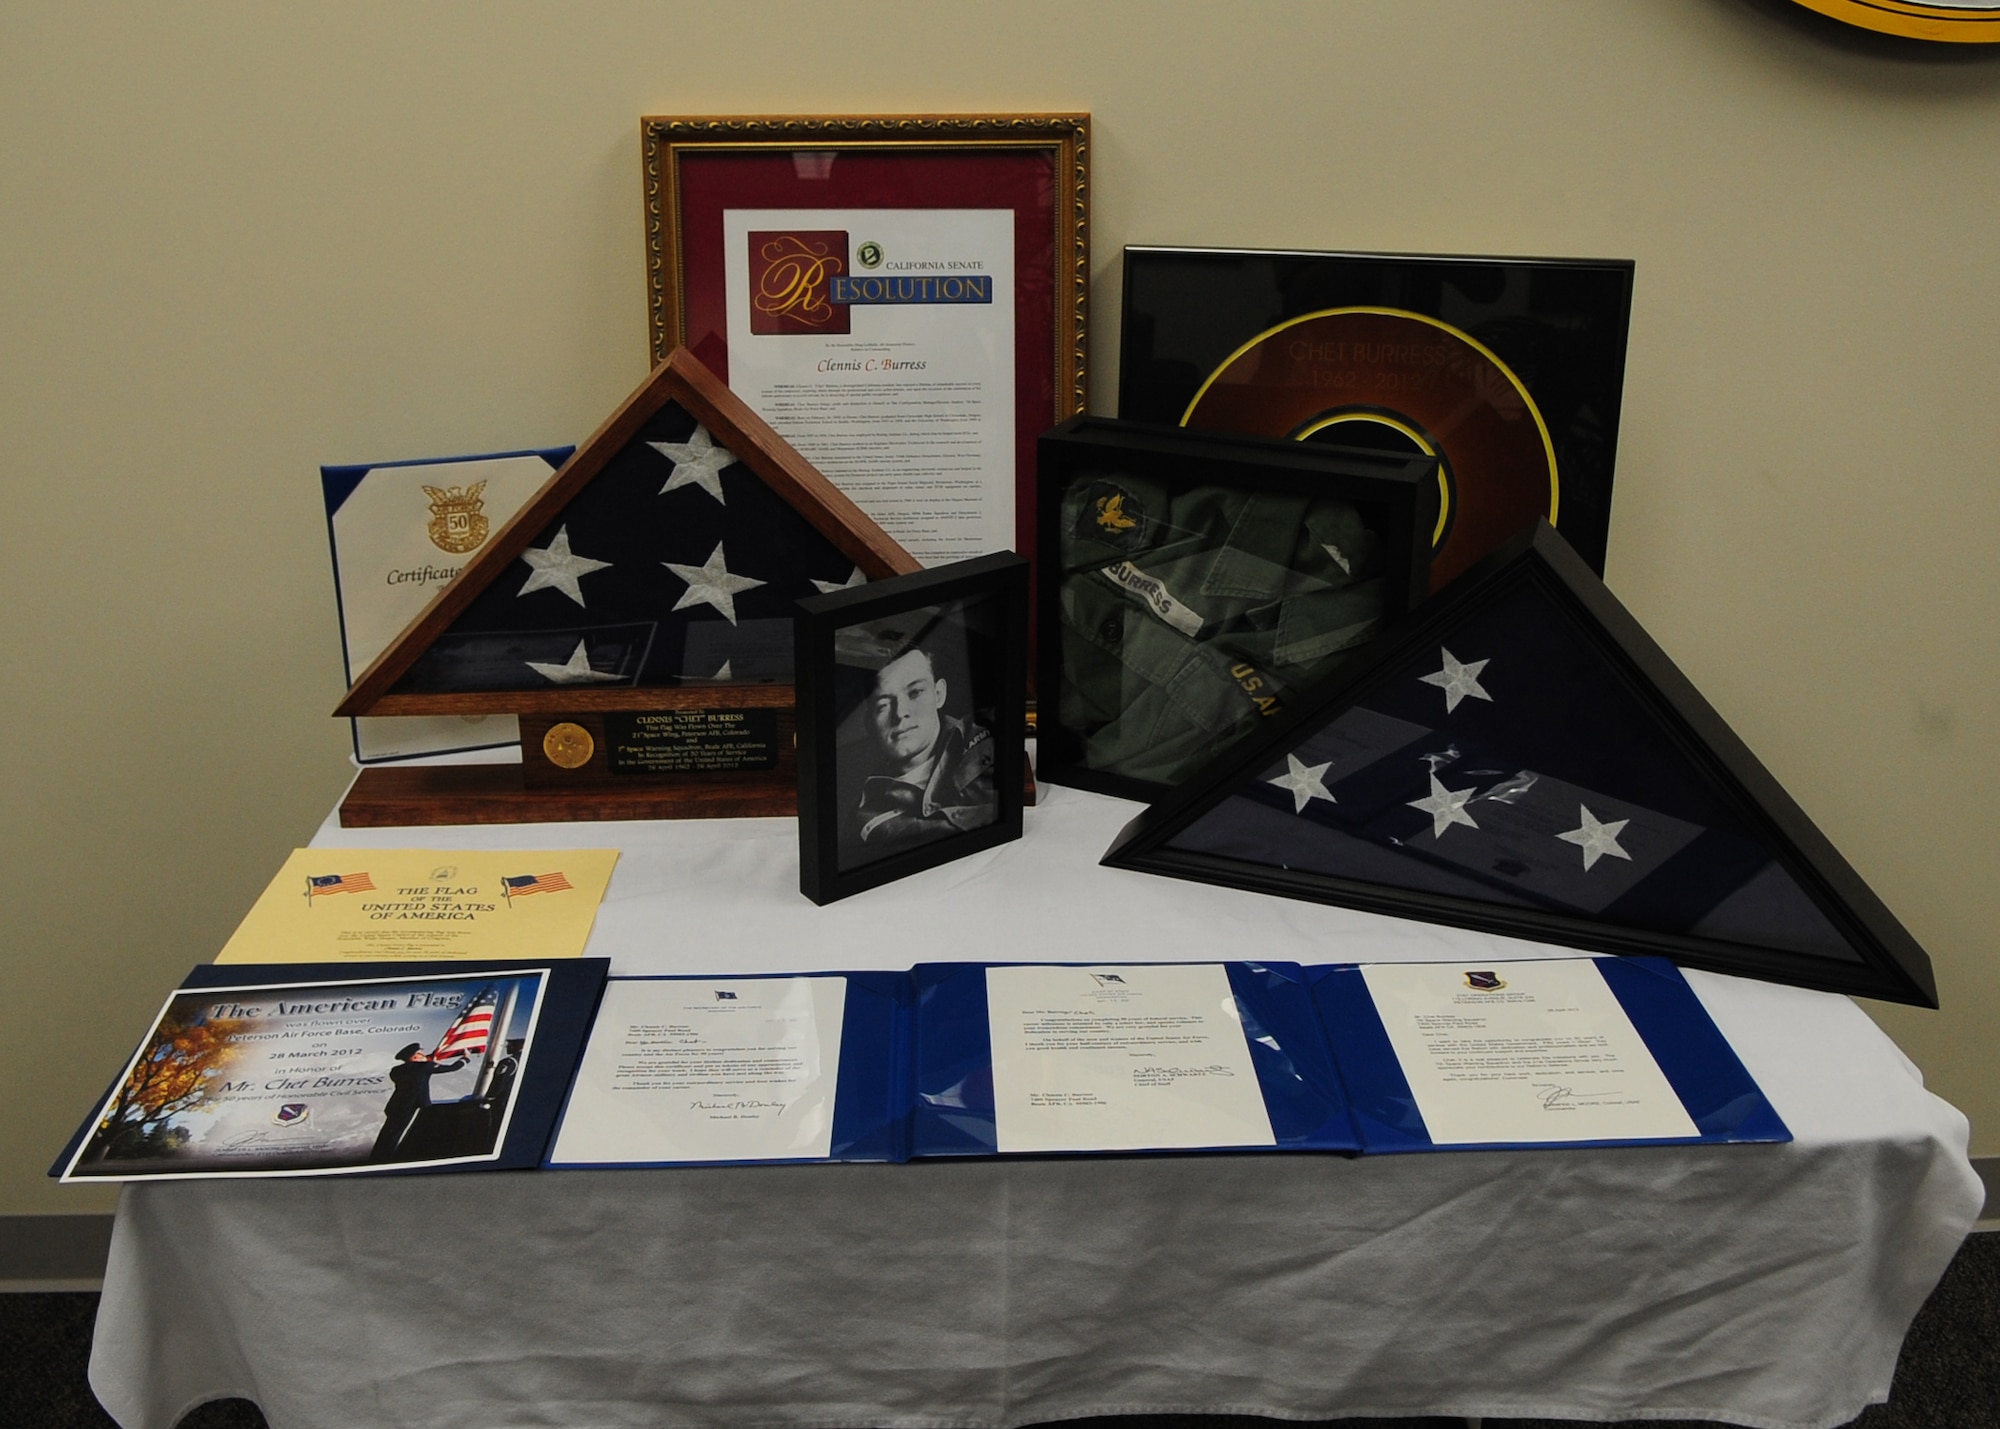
<point x="1509" y="370"/>
<point x="1192" y="584"/>
<point x="912" y="696"/>
<point x="1520" y="757"/>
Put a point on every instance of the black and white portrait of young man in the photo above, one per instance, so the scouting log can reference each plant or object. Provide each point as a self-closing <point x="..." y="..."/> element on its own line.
<point x="918" y="763"/>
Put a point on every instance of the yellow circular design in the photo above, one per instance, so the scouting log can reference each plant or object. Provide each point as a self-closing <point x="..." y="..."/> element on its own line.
<point x="1542" y="427"/>
<point x="1423" y="443"/>
<point x="568" y="746"/>
<point x="1466" y="401"/>
<point x="1952" y="24"/>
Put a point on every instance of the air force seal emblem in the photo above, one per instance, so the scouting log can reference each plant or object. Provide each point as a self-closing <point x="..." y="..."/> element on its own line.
<point x="291" y="1114"/>
<point x="457" y="524"/>
<point x="1484" y="982"/>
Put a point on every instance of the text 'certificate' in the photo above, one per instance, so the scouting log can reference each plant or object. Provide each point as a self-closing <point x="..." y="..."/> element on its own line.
<point x="880" y="343"/>
<point x="678" y="1070"/>
<point x="1121" y="1059"/>
<point x="1522" y="1052"/>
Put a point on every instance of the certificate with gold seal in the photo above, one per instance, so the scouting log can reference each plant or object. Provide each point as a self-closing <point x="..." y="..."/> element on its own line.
<point x="400" y="531"/>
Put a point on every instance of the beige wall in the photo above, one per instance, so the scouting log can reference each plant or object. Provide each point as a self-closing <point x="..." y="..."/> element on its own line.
<point x="240" y="240"/>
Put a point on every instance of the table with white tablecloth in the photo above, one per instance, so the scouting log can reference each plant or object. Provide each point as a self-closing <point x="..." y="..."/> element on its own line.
<point x="1758" y="1284"/>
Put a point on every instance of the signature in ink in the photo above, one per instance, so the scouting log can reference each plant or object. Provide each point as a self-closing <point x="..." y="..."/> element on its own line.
<point x="1554" y="1097"/>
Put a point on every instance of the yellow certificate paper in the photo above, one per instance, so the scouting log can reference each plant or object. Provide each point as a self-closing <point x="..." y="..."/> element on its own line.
<point x="364" y="905"/>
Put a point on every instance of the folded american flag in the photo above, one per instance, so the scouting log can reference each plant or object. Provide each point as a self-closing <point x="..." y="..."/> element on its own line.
<point x="675" y="564"/>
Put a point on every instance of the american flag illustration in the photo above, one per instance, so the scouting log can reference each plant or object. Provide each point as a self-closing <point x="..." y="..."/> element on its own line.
<point x="316" y="884"/>
<point x="470" y="1030"/>
<point x="521" y="885"/>
<point x="675" y="564"/>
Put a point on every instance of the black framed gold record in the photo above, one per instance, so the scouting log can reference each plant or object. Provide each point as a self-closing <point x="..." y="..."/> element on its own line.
<point x="1350" y="375"/>
<point x="1508" y="371"/>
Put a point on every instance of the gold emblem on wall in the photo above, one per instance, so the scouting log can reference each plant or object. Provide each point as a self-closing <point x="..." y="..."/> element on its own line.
<point x="1964" y="22"/>
<point x="458" y="524"/>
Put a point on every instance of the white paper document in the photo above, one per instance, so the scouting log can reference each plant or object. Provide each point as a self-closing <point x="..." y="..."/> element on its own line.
<point x="398" y="538"/>
<point x="707" y="1070"/>
<point x="880" y="343"/>
<point x="1522" y="1052"/>
<point x="1121" y="1059"/>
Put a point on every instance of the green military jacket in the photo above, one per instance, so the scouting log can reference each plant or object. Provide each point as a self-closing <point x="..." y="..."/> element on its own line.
<point x="1188" y="617"/>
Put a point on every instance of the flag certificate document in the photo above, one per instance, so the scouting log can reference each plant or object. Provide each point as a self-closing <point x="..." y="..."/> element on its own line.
<point x="249" y="1072"/>
<point x="330" y="905"/>
<point x="686" y="1070"/>
<point x="1573" y="1051"/>
<point x="880" y="343"/>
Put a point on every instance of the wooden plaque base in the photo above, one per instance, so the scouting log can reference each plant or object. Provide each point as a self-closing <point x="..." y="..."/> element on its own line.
<point x="424" y="795"/>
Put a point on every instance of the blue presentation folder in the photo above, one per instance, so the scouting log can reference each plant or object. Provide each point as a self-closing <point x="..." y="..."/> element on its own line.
<point x="1722" y="1100"/>
<point x="916" y="1064"/>
<point x="871" y="1099"/>
<point x="916" y="1076"/>
<point x="953" y="1112"/>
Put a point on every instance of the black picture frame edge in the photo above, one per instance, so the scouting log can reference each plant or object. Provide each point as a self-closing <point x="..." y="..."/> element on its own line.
<point x="1417" y="503"/>
<point x="1003" y="574"/>
<point x="1893" y="968"/>
<point x="1198" y="250"/>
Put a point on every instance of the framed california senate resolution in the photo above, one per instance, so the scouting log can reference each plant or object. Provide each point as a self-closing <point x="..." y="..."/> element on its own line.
<point x="901" y="298"/>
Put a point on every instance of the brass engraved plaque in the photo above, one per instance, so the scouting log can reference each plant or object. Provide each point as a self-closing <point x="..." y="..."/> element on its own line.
<point x="711" y="741"/>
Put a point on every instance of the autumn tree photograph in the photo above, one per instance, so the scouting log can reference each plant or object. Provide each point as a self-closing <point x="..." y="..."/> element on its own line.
<point x="180" y="1073"/>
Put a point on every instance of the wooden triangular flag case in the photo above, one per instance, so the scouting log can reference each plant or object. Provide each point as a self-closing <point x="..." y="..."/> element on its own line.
<point x="1519" y="756"/>
<point x="636" y="615"/>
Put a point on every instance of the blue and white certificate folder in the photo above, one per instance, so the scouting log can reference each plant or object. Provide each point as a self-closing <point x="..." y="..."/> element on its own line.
<point x="735" y="1070"/>
<point x="1604" y="1051"/>
<point x="970" y="1060"/>
<point x="1088" y="1059"/>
